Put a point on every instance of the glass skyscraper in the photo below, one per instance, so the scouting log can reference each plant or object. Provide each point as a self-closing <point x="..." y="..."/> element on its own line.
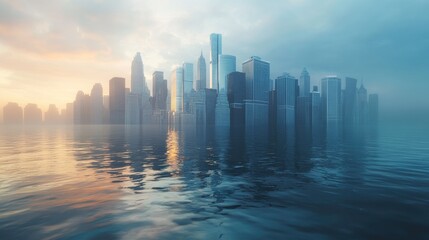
<point x="331" y="103"/>
<point x="227" y="64"/>
<point x="304" y="83"/>
<point x="215" y="51"/>
<point x="257" y="72"/>
<point x="286" y="95"/>
<point x="188" y="86"/>
<point x="201" y="81"/>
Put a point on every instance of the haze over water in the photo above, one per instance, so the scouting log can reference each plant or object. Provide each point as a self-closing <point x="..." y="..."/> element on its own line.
<point x="116" y="182"/>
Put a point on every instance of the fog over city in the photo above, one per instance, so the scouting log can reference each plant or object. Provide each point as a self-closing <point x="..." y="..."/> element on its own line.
<point x="51" y="49"/>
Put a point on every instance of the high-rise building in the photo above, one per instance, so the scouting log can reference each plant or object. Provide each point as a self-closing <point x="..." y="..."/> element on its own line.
<point x="303" y="117"/>
<point x="188" y="83"/>
<point x="286" y="95"/>
<point x="68" y="114"/>
<point x="236" y="82"/>
<point x="373" y="109"/>
<point x="215" y="51"/>
<point x="331" y="103"/>
<point x="117" y="100"/>
<point x="52" y="116"/>
<point x="176" y="90"/>
<point x="304" y="83"/>
<point x="139" y="87"/>
<point x="97" y="109"/>
<point x="132" y="113"/>
<point x="257" y="72"/>
<point x="226" y="65"/>
<point x="201" y="73"/>
<point x="316" y="121"/>
<point x="12" y="113"/>
<point x="160" y="91"/>
<point x="81" y="109"/>
<point x="350" y="103"/>
<point x="32" y="114"/>
<point x="362" y="105"/>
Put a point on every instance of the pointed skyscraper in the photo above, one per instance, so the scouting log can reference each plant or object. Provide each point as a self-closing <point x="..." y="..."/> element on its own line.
<point x="201" y="73"/>
<point x="304" y="83"/>
<point x="215" y="51"/>
<point x="139" y="88"/>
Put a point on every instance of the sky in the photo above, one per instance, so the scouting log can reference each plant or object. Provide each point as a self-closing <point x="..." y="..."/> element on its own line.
<point x="51" y="49"/>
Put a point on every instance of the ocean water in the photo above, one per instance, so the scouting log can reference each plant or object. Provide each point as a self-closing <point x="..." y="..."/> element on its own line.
<point x="112" y="182"/>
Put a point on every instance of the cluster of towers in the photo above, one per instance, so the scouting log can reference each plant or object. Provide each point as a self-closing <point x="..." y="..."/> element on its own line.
<point x="244" y="101"/>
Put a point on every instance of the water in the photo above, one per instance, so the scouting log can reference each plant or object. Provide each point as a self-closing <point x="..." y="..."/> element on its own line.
<point x="108" y="182"/>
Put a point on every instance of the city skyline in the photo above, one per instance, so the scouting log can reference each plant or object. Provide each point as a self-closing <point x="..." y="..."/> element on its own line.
<point x="73" y="49"/>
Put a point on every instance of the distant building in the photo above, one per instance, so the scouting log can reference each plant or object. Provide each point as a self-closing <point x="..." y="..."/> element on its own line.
<point x="227" y="65"/>
<point x="236" y="82"/>
<point x="12" y="113"/>
<point x="316" y="121"/>
<point x="32" y="114"/>
<point x="215" y="51"/>
<point x="176" y="90"/>
<point x="159" y="91"/>
<point x="362" y="105"/>
<point x="304" y="84"/>
<point x="257" y="72"/>
<point x="52" y="116"/>
<point x="132" y="113"/>
<point x="286" y="95"/>
<point x="97" y="108"/>
<point x="303" y="117"/>
<point x="117" y="100"/>
<point x="140" y="88"/>
<point x="201" y="82"/>
<point x="350" y="104"/>
<point x="81" y="109"/>
<point x="188" y="83"/>
<point x="373" y="109"/>
<point x="331" y="103"/>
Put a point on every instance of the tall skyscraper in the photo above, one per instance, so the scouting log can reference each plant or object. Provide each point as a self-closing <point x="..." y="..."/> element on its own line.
<point x="117" y="100"/>
<point x="350" y="104"/>
<point x="132" y="113"/>
<point x="215" y="51"/>
<point x="176" y="90"/>
<point x="32" y="114"/>
<point x="226" y="65"/>
<point x="286" y="95"/>
<point x="236" y="82"/>
<point x="188" y="83"/>
<point x="331" y="103"/>
<point x="316" y="121"/>
<point x="373" y="109"/>
<point x="139" y="87"/>
<point x="159" y="91"/>
<point x="97" y="109"/>
<point x="12" y="113"/>
<point x="304" y="83"/>
<point x="201" y="73"/>
<point x="257" y="72"/>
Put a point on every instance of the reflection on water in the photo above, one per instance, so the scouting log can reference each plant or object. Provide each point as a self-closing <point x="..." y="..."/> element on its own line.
<point x="151" y="182"/>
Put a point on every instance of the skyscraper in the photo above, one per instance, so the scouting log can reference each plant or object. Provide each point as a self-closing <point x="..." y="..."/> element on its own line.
<point x="139" y="87"/>
<point x="236" y="82"/>
<point x="117" y="100"/>
<point x="188" y="83"/>
<point x="97" y="109"/>
<point x="286" y="95"/>
<point x="176" y="90"/>
<point x="226" y="65"/>
<point x="257" y="72"/>
<point x="201" y="73"/>
<point x="331" y="103"/>
<point x="316" y="124"/>
<point x="350" y="104"/>
<point x="304" y="83"/>
<point x="159" y="91"/>
<point x="132" y="113"/>
<point x="81" y="109"/>
<point x="12" y="113"/>
<point x="362" y="105"/>
<point x="32" y="114"/>
<point x="215" y="51"/>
